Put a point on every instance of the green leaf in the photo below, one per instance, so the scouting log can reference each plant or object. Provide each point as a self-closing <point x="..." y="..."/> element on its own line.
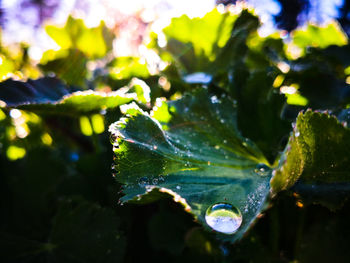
<point x="127" y="68"/>
<point x="232" y="56"/>
<point x="49" y="95"/>
<point x="84" y="232"/>
<point x="192" y="150"/>
<point x="250" y="82"/>
<point x="322" y="70"/>
<point x="259" y="110"/>
<point x="93" y="42"/>
<point x="67" y="64"/>
<point x="322" y="37"/>
<point x="194" y="42"/>
<point x="317" y="158"/>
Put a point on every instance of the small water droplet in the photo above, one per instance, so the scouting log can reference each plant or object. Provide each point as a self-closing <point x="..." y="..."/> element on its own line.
<point x="214" y="99"/>
<point x="297" y="133"/>
<point x="155" y="147"/>
<point x="262" y="169"/>
<point x="224" y="218"/>
<point x="155" y="181"/>
<point x="178" y="187"/>
<point x="143" y="181"/>
<point x="217" y="147"/>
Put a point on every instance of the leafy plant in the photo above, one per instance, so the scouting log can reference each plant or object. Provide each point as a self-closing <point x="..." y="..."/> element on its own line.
<point x="216" y="155"/>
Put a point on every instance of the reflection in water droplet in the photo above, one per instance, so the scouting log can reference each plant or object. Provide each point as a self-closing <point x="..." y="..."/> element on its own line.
<point x="155" y="181"/>
<point x="262" y="169"/>
<point x="224" y="218"/>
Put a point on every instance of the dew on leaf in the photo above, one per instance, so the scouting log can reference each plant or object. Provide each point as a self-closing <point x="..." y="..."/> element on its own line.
<point x="224" y="218"/>
<point x="143" y="181"/>
<point x="262" y="169"/>
<point x="214" y="99"/>
<point x="155" y="181"/>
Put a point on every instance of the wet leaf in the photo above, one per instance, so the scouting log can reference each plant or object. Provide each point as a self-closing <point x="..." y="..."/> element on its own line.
<point x="316" y="159"/>
<point x="192" y="150"/>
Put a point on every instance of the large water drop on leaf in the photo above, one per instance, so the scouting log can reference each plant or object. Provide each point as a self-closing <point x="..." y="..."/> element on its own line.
<point x="224" y="218"/>
<point x="201" y="159"/>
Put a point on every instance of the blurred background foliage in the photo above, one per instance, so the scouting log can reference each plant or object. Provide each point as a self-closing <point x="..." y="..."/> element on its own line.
<point x="59" y="201"/>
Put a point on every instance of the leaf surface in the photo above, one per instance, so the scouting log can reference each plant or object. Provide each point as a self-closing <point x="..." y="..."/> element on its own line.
<point x="316" y="159"/>
<point x="50" y="95"/>
<point x="191" y="149"/>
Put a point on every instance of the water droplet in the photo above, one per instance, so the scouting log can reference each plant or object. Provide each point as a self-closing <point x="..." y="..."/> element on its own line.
<point x="214" y="99"/>
<point x="161" y="179"/>
<point x="217" y="147"/>
<point x="155" y="181"/>
<point x="155" y="147"/>
<point x="297" y="133"/>
<point x="262" y="169"/>
<point x="143" y="181"/>
<point x="178" y="187"/>
<point x="224" y="218"/>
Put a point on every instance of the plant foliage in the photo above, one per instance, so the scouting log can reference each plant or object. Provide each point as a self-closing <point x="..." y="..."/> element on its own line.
<point x="222" y="116"/>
